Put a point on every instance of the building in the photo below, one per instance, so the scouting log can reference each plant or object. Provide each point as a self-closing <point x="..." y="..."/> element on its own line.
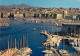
<point x="32" y="14"/>
<point x="78" y="17"/>
<point x="65" y="13"/>
<point x="20" y="15"/>
<point x="74" y="17"/>
<point x="58" y="16"/>
<point x="36" y="15"/>
<point x="71" y="28"/>
<point x="5" y="15"/>
<point x="11" y="15"/>
<point x="47" y="15"/>
<point x="29" y="14"/>
<point x="51" y="15"/>
<point x="43" y="15"/>
<point x="39" y="15"/>
<point x="0" y="14"/>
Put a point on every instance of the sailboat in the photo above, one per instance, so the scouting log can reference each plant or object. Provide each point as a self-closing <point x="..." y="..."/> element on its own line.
<point x="9" y="51"/>
<point x="47" y="51"/>
<point x="63" y="52"/>
<point x="77" y="43"/>
<point x="77" y="47"/>
<point x="26" y="50"/>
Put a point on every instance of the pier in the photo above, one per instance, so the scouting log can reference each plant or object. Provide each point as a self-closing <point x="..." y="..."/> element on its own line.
<point x="52" y="39"/>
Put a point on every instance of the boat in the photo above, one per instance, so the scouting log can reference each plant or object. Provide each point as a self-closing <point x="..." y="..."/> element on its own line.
<point x="64" y="53"/>
<point x="41" y="27"/>
<point x="26" y="50"/>
<point x="34" y="29"/>
<point x="47" y="52"/>
<point x="77" y="49"/>
<point x="44" y="32"/>
<point x="9" y="51"/>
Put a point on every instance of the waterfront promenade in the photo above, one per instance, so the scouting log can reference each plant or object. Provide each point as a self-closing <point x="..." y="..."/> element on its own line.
<point x="57" y="22"/>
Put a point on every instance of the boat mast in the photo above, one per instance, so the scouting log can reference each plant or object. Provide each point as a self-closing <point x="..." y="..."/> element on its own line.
<point x="8" y="46"/>
<point x="27" y="40"/>
<point x="46" y="46"/>
<point x="52" y="28"/>
<point x="8" y="43"/>
<point x="15" y="43"/>
<point x="11" y="41"/>
<point x="57" y="30"/>
<point x="21" y="46"/>
<point x="23" y="41"/>
<point x="79" y="32"/>
<point x="18" y="44"/>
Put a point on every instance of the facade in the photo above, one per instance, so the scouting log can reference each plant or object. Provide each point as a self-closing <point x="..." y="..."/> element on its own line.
<point x="36" y="15"/>
<point x="47" y="15"/>
<point x="70" y="28"/>
<point x="65" y="13"/>
<point x="57" y="13"/>
<point x="52" y="15"/>
<point x="32" y="14"/>
<point x="78" y="17"/>
<point x="74" y="17"/>
<point x="11" y="15"/>
<point x="18" y="16"/>
<point x="0" y="14"/>
<point x="39" y="15"/>
<point x="43" y="15"/>
<point x="29" y="14"/>
<point x="5" y="15"/>
<point x="58" y="16"/>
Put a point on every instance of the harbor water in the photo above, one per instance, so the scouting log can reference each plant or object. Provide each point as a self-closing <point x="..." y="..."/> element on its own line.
<point x="17" y="30"/>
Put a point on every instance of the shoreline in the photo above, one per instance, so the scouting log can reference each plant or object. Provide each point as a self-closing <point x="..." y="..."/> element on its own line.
<point x="57" y="22"/>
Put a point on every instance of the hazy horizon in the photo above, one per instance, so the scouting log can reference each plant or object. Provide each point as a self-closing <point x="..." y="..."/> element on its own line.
<point x="44" y="3"/>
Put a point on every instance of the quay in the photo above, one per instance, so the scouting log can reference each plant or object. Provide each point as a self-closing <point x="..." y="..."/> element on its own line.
<point x="3" y="23"/>
<point x="8" y="52"/>
<point x="54" y="52"/>
<point x="55" y="39"/>
<point x="60" y="52"/>
<point x="22" y="51"/>
<point x="52" y="40"/>
<point x="58" y="22"/>
<point x="16" y="52"/>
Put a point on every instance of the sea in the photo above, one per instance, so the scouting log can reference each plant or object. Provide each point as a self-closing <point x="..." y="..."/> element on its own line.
<point x="19" y="28"/>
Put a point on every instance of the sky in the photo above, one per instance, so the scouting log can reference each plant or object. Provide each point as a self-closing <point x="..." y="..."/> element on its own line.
<point x="44" y="3"/>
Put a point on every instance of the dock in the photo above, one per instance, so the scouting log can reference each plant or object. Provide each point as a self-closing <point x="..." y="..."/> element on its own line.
<point x="55" y="39"/>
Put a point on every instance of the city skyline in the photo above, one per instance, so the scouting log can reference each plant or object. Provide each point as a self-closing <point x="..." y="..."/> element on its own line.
<point x="44" y="3"/>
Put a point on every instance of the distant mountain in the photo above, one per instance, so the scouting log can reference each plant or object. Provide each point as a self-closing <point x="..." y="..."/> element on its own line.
<point x="16" y="6"/>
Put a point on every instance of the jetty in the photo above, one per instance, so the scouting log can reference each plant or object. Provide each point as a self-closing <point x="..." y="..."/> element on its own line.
<point x="55" y="52"/>
<point x="52" y="39"/>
